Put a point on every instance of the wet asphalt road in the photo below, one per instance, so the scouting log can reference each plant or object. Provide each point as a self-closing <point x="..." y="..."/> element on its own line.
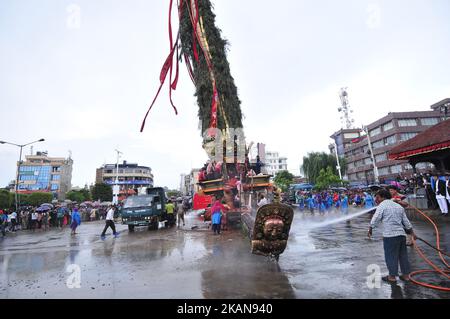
<point x="320" y="262"/>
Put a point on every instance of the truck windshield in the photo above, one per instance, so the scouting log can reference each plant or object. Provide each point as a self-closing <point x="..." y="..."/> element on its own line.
<point x="138" y="201"/>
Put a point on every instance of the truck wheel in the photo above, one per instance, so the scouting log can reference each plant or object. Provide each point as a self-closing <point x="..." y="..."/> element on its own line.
<point x="131" y="228"/>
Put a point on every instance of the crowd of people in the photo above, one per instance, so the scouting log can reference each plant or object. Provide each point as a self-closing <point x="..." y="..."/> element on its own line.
<point x="34" y="219"/>
<point x="331" y="200"/>
<point x="214" y="170"/>
<point x="176" y="210"/>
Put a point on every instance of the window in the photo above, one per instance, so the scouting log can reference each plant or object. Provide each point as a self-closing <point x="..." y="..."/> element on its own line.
<point x="351" y="165"/>
<point x="56" y="177"/>
<point x="425" y="165"/>
<point x="378" y="144"/>
<point x="351" y="135"/>
<point x="383" y="170"/>
<point x="407" y="122"/>
<point x="388" y="126"/>
<point x="407" y="136"/>
<point x="430" y="121"/>
<point x="408" y="167"/>
<point x="54" y="187"/>
<point x="365" y="149"/>
<point x="375" y="132"/>
<point x="390" y="140"/>
<point x="368" y="161"/>
<point x="396" y="169"/>
<point x="380" y="157"/>
<point x="39" y="174"/>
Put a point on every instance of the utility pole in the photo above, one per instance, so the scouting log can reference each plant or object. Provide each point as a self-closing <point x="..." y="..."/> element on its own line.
<point x="116" y="187"/>
<point x="338" y="163"/>
<point x="375" y="168"/>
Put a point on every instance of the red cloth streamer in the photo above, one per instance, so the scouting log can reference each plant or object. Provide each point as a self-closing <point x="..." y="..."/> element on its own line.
<point x="168" y="64"/>
<point x="162" y="78"/>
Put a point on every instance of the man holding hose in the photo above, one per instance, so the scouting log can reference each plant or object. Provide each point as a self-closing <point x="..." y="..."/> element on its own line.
<point x="395" y="227"/>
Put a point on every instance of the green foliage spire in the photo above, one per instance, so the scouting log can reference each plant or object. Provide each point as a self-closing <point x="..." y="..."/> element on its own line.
<point x="229" y="110"/>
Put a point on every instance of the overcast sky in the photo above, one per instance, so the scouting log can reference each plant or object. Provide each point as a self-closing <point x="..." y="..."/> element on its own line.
<point x="81" y="75"/>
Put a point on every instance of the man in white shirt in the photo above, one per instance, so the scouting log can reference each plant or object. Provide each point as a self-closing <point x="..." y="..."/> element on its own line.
<point x="447" y="188"/>
<point x="110" y="223"/>
<point x="13" y="221"/>
<point x="395" y="227"/>
<point x="440" y="190"/>
<point x="34" y="217"/>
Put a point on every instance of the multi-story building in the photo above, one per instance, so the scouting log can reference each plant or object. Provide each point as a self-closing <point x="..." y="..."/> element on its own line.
<point x="130" y="176"/>
<point x="343" y="139"/>
<point x="40" y="173"/>
<point x="274" y="163"/>
<point x="385" y="134"/>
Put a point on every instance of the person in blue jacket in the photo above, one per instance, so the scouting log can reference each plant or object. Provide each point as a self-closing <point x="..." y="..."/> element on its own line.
<point x="76" y="220"/>
<point x="368" y="201"/>
<point x="310" y="203"/>
<point x="216" y="217"/>
<point x="301" y="202"/>
<point x="344" y="204"/>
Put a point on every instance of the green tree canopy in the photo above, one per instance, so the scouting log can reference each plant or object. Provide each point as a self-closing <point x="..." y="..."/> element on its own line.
<point x="76" y="196"/>
<point x="24" y="199"/>
<point x="314" y="162"/>
<point x="86" y="194"/>
<point x="5" y="199"/>
<point x="102" y="192"/>
<point x="36" y="199"/>
<point x="283" y="179"/>
<point x="326" y="179"/>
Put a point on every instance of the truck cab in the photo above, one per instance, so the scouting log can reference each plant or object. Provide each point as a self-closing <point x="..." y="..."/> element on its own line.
<point x="146" y="209"/>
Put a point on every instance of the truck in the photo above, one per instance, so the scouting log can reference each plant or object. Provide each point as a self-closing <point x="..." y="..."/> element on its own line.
<point x="146" y="209"/>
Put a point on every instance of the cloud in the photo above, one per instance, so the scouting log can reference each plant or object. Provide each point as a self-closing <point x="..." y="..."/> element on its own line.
<point x="374" y="16"/>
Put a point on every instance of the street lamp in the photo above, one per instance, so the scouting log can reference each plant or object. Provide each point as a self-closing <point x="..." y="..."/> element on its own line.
<point x="21" y="146"/>
<point x="116" y="188"/>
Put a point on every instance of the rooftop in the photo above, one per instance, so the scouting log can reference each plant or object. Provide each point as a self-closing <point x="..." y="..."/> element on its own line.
<point x="435" y="138"/>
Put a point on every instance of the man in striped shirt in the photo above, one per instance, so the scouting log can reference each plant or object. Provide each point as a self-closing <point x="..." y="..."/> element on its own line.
<point x="395" y="222"/>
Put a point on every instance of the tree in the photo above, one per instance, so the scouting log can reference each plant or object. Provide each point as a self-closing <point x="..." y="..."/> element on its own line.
<point x="326" y="179"/>
<point x="283" y="179"/>
<point x="37" y="199"/>
<point x="102" y="192"/>
<point x="5" y="199"/>
<point x="174" y="193"/>
<point x="24" y="199"/>
<point x="314" y="162"/>
<point x="86" y="194"/>
<point x="76" y="196"/>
